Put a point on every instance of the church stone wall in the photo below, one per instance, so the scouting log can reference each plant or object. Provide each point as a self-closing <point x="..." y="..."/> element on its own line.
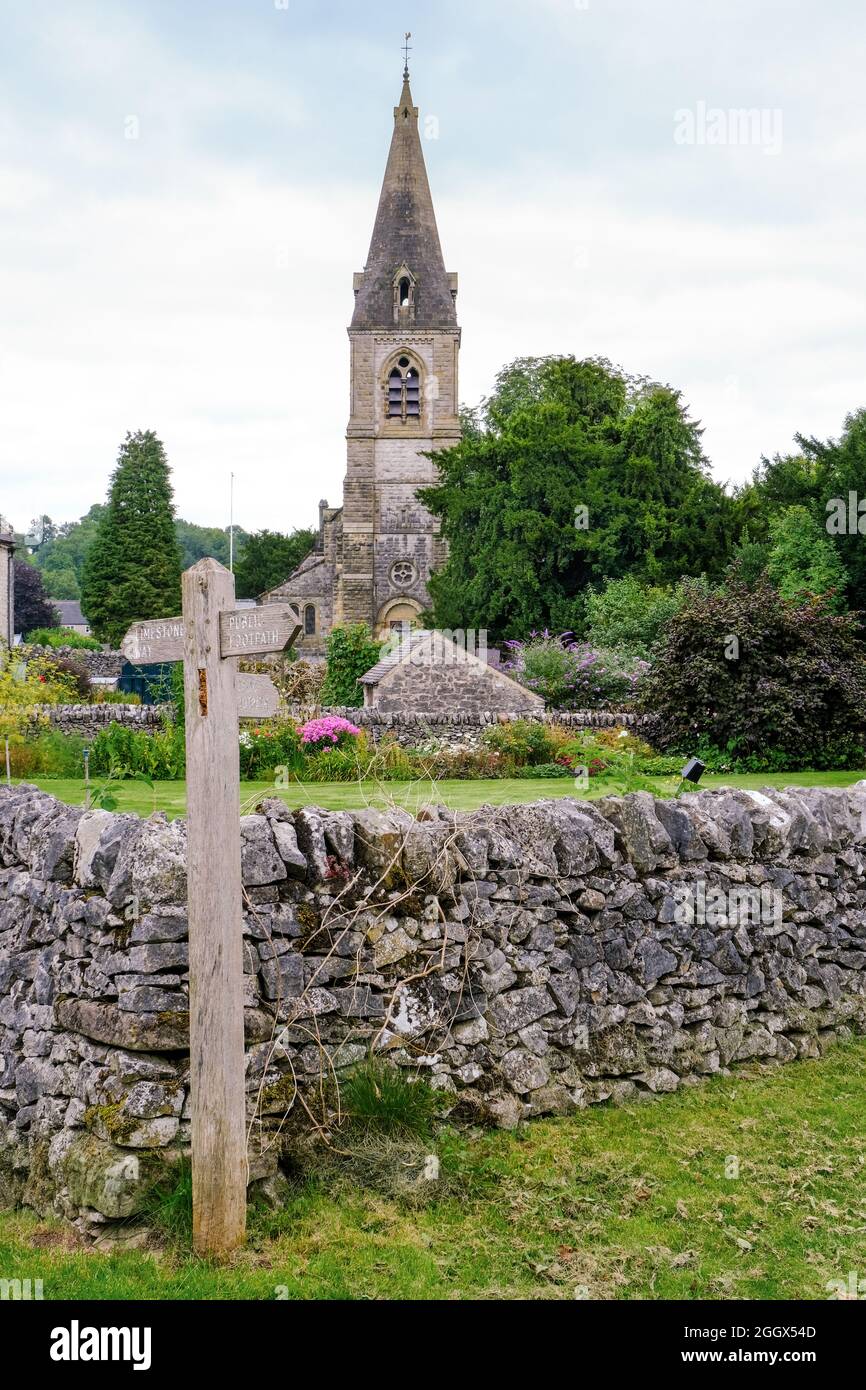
<point x="526" y="960"/>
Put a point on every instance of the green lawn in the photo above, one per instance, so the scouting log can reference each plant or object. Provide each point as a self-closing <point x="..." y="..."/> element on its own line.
<point x="638" y="1202"/>
<point x="462" y="795"/>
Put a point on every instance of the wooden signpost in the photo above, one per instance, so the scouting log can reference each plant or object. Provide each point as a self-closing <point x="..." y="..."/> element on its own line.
<point x="208" y="638"/>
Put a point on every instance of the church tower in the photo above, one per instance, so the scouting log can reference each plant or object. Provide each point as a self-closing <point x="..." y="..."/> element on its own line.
<point x="404" y="342"/>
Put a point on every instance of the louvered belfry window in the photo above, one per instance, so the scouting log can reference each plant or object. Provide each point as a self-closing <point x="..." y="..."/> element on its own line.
<point x="404" y="392"/>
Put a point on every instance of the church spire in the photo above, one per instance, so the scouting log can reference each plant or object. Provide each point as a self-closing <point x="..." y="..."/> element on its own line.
<point x="405" y="235"/>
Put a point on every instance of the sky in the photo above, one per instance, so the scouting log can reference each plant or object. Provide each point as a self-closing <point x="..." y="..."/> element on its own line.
<point x="186" y="190"/>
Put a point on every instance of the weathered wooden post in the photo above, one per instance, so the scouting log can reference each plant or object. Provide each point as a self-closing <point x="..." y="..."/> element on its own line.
<point x="213" y="875"/>
<point x="208" y="636"/>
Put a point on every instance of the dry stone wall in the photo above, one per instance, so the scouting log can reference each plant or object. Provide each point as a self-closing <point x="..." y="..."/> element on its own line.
<point x="105" y="664"/>
<point x="458" y="726"/>
<point x="455" y="727"/>
<point x="87" y="720"/>
<point x="526" y="960"/>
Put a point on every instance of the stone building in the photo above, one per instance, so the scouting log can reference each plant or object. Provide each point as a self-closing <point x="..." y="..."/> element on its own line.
<point x="374" y="554"/>
<point x="429" y="671"/>
<point x="7" y="583"/>
<point x="70" y="615"/>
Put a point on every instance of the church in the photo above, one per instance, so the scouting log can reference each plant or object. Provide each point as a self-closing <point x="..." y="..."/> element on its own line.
<point x="374" y="555"/>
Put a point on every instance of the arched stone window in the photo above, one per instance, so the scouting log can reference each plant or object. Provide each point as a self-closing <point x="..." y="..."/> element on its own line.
<point x="404" y="391"/>
<point x="404" y="296"/>
<point x="310" y="620"/>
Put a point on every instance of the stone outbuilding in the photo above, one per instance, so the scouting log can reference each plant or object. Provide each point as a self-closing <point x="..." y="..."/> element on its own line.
<point x="435" y="671"/>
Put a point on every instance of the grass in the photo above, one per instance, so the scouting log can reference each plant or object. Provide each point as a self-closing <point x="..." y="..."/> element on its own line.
<point x="631" y="1203"/>
<point x="461" y="795"/>
<point x="376" y="1096"/>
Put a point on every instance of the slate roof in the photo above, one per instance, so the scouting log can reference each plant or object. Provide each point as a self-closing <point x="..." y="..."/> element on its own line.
<point x="405" y="233"/>
<point x="70" y="612"/>
<point x="407" y="645"/>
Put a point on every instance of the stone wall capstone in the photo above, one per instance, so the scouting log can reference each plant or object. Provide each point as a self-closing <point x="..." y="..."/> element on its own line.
<point x="527" y="960"/>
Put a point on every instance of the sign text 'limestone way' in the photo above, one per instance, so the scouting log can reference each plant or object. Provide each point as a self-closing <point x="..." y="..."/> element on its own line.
<point x="155" y="641"/>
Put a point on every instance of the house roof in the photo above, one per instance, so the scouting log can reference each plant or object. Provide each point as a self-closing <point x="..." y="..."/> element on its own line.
<point x="408" y="645"/>
<point x="426" y="647"/>
<point x="70" y="612"/>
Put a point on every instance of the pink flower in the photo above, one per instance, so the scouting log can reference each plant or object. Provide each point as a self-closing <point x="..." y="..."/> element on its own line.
<point x="328" y="729"/>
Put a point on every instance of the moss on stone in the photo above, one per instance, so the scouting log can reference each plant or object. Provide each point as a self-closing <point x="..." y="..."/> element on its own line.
<point x="111" y="1122"/>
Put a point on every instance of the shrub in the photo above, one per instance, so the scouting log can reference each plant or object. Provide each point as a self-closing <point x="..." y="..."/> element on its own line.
<point x="266" y="747"/>
<point x="299" y="682"/>
<point x="76" y="675"/>
<point x="106" y="695"/>
<point x="27" y="680"/>
<point x="525" y="743"/>
<point x="52" y="754"/>
<point x="544" y="770"/>
<point x="463" y="764"/>
<point x="574" y="675"/>
<point x="351" y="652"/>
<point x="62" y="637"/>
<point x="797" y="685"/>
<point x="629" y="616"/>
<point x="117" y="751"/>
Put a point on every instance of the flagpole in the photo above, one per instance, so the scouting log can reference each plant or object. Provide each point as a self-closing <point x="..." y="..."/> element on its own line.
<point x="231" y="523"/>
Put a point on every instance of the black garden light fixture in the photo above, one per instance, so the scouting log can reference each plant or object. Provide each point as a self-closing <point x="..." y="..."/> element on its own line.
<point x="692" y="772"/>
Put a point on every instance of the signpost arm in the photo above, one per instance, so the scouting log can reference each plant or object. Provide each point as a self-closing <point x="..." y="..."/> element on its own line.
<point x="219" y="1176"/>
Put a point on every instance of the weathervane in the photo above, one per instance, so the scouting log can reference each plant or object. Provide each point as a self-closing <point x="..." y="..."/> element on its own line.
<point x="406" y="51"/>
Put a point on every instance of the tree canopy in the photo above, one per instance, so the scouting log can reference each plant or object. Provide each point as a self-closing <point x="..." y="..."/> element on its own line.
<point x="803" y="560"/>
<point x="821" y="477"/>
<point x="61" y="555"/>
<point x="268" y="558"/>
<point x="132" y="567"/>
<point x="577" y="473"/>
<point x="33" y="607"/>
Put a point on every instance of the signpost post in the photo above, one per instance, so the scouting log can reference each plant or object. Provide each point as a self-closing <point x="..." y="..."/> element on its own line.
<point x="208" y="638"/>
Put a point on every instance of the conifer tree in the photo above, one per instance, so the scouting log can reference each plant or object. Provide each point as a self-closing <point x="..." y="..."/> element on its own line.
<point x="132" y="568"/>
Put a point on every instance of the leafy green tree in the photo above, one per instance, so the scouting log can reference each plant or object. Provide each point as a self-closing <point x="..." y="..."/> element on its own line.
<point x="629" y="616"/>
<point x="803" y="560"/>
<point x="269" y="558"/>
<point x="61" y="559"/>
<point x="841" y="463"/>
<point x="748" y="559"/>
<point x="581" y="474"/>
<point x="132" y="567"/>
<point x="821" y="477"/>
<point x="198" y="542"/>
<point x="351" y="653"/>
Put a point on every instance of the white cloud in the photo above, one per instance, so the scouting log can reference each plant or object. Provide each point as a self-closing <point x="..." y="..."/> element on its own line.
<point x="184" y="282"/>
